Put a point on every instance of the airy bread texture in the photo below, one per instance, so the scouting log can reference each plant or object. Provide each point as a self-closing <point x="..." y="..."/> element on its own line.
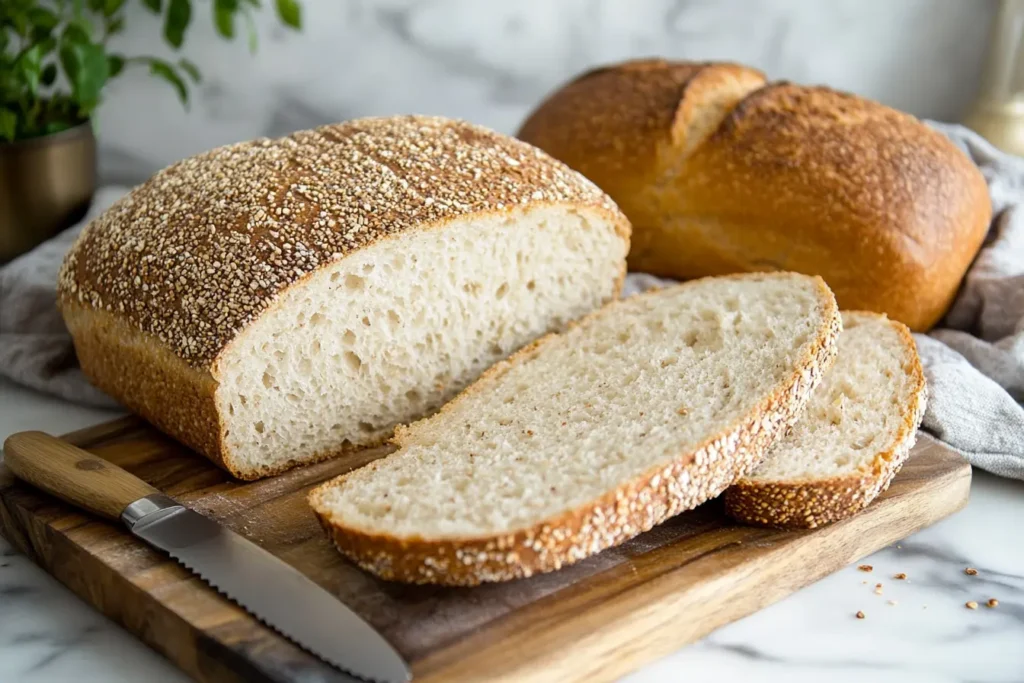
<point x="646" y="408"/>
<point x="275" y="302"/>
<point x="721" y="172"/>
<point x="852" y="439"/>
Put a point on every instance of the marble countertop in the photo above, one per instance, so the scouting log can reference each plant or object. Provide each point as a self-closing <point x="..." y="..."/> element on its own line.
<point x="924" y="634"/>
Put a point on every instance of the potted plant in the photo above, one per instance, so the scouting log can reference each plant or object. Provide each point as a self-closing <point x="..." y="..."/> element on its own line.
<point x="55" y="60"/>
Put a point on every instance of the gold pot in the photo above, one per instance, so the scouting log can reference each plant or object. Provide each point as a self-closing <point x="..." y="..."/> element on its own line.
<point x="46" y="185"/>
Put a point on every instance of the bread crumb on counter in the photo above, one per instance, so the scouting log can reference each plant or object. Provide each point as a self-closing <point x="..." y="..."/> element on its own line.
<point x="901" y="576"/>
<point x="971" y="604"/>
<point x="860" y="615"/>
<point x="865" y="567"/>
<point x="971" y="571"/>
<point x="878" y="589"/>
<point x="992" y="602"/>
<point x="893" y="602"/>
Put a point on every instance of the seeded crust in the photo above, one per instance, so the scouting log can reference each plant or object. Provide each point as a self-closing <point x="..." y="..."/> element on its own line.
<point x="197" y="252"/>
<point x="791" y="177"/>
<point x="632" y="508"/>
<point x="156" y="288"/>
<point x="811" y="503"/>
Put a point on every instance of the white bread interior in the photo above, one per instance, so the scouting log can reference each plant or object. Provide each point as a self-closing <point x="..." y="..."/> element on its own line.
<point x="394" y="330"/>
<point x="639" y="411"/>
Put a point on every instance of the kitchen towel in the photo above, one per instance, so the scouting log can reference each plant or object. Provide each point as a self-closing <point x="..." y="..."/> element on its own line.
<point x="974" y="360"/>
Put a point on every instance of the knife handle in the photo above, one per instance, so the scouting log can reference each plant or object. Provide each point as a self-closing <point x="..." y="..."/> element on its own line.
<point x="73" y="475"/>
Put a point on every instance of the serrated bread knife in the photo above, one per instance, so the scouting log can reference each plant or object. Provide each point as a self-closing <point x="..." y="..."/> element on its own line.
<point x="263" y="585"/>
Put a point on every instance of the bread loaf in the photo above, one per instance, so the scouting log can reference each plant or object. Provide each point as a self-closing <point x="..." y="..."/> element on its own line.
<point x="852" y="439"/>
<point x="721" y="172"/>
<point x="645" y="408"/>
<point x="273" y="302"/>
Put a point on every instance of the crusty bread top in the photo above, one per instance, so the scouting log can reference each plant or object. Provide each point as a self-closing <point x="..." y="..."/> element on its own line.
<point x="621" y="125"/>
<point x="199" y="250"/>
<point x="720" y="172"/>
<point x="879" y="164"/>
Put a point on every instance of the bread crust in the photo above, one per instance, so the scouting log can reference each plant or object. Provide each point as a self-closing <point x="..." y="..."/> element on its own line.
<point x="813" y="502"/>
<point x="157" y="289"/>
<point x="632" y="508"/>
<point x="796" y="178"/>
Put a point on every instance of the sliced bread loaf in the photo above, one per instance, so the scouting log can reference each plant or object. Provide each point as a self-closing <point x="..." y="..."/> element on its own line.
<point x="274" y="302"/>
<point x="584" y="439"/>
<point x="854" y="436"/>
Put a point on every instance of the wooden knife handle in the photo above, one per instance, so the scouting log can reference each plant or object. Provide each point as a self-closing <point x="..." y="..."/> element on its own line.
<point x="73" y="475"/>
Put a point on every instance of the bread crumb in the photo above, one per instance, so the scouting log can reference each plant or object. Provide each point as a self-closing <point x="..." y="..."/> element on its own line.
<point x="878" y="589"/>
<point x="860" y="615"/>
<point x="893" y="602"/>
<point x="901" y="576"/>
<point x="682" y="410"/>
<point x="865" y="567"/>
<point x="971" y="571"/>
<point x="971" y="604"/>
<point x="992" y="602"/>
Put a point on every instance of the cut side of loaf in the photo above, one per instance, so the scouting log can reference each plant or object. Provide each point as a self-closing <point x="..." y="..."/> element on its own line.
<point x="853" y="437"/>
<point x="277" y="302"/>
<point x="639" y="411"/>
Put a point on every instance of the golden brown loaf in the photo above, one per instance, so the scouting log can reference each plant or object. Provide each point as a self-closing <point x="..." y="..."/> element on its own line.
<point x="273" y="302"/>
<point x="721" y="172"/>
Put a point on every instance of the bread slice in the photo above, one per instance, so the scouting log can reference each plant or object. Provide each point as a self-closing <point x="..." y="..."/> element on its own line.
<point x="851" y="441"/>
<point x="646" y="408"/>
<point x="275" y="302"/>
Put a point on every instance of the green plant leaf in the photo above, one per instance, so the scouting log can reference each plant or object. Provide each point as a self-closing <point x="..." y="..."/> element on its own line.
<point x="96" y="5"/>
<point x="49" y="74"/>
<point x="179" y="14"/>
<point x="224" y="17"/>
<point x="41" y="16"/>
<point x="255" y="3"/>
<point x="19" y="20"/>
<point x="160" y="68"/>
<point x="290" y="12"/>
<point x="111" y="7"/>
<point x="191" y="69"/>
<point x="77" y="31"/>
<point x="43" y="22"/>
<point x="116" y="64"/>
<point x="57" y="126"/>
<point x="8" y="124"/>
<point x="115" y="26"/>
<point x="28" y="68"/>
<point x="87" y="70"/>
<point x="154" y="5"/>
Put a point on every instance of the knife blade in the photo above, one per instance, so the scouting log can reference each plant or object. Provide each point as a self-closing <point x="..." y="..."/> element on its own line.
<point x="268" y="588"/>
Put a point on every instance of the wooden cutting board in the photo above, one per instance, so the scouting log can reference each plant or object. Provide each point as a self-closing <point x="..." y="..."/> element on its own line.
<point x="593" y="621"/>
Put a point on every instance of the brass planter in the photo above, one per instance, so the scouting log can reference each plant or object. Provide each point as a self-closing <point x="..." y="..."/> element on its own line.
<point x="46" y="185"/>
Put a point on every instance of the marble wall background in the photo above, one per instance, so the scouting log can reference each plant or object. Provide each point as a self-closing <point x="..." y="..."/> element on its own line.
<point x="491" y="61"/>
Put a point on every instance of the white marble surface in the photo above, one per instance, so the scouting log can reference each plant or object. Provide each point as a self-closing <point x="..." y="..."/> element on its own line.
<point x="47" y="635"/>
<point x="491" y="62"/>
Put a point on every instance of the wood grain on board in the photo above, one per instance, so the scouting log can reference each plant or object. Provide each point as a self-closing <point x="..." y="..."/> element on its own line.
<point x="593" y="621"/>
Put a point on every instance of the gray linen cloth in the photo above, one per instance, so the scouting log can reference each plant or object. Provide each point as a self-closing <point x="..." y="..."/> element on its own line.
<point x="974" y="360"/>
